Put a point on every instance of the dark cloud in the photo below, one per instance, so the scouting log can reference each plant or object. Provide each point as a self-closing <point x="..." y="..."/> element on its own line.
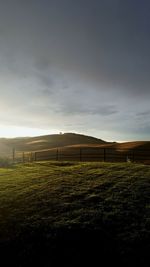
<point x="144" y="113"/>
<point x="66" y="59"/>
<point x="76" y="109"/>
<point x="106" y="42"/>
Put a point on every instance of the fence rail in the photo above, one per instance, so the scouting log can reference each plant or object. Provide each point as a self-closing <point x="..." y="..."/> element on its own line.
<point x="85" y="154"/>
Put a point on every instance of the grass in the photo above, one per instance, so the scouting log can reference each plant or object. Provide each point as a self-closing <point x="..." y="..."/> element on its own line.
<point x="5" y="162"/>
<point x="69" y="212"/>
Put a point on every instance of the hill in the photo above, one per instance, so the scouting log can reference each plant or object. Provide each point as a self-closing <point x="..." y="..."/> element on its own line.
<point x="72" y="214"/>
<point x="138" y="151"/>
<point x="68" y="146"/>
<point x="45" y="142"/>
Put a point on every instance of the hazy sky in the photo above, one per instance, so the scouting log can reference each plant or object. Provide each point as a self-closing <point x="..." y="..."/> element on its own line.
<point x="75" y="66"/>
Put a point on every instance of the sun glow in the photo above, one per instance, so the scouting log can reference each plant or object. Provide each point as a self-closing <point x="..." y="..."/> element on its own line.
<point x="16" y="131"/>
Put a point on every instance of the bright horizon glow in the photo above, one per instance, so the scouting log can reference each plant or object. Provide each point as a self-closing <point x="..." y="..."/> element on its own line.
<point x="16" y="131"/>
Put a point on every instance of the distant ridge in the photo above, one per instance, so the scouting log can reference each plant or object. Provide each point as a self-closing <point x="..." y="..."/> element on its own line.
<point x="47" y="142"/>
<point x="66" y="141"/>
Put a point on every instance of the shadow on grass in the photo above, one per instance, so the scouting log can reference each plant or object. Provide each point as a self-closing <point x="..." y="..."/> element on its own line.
<point x="66" y="247"/>
<point x="63" y="246"/>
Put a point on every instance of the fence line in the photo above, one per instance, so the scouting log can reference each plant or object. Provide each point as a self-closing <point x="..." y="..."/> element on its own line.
<point x="85" y="154"/>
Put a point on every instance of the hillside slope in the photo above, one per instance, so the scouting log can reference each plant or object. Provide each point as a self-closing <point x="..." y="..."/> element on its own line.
<point x="69" y="143"/>
<point x="45" y="142"/>
<point x="64" y="214"/>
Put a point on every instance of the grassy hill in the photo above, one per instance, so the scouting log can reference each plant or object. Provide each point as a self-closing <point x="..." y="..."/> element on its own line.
<point x="70" y="146"/>
<point x="134" y="145"/>
<point x="45" y="142"/>
<point x="70" y="214"/>
<point x="111" y="152"/>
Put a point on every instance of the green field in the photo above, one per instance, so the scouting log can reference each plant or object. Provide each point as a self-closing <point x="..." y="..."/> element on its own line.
<point x="72" y="213"/>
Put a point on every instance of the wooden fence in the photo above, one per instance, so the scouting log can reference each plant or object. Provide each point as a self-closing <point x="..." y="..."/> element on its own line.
<point x="85" y="154"/>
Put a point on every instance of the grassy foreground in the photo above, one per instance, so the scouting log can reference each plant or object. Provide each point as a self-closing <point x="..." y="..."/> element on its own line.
<point x="71" y="213"/>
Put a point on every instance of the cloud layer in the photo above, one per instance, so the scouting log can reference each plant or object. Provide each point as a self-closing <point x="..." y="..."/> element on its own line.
<point x="76" y="66"/>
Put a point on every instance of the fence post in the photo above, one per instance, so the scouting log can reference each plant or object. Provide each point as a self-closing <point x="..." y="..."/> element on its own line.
<point x="13" y="154"/>
<point x="104" y="154"/>
<point x="35" y="156"/>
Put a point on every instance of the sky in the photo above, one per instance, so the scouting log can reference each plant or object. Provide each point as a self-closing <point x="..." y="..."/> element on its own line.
<point x="75" y="66"/>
